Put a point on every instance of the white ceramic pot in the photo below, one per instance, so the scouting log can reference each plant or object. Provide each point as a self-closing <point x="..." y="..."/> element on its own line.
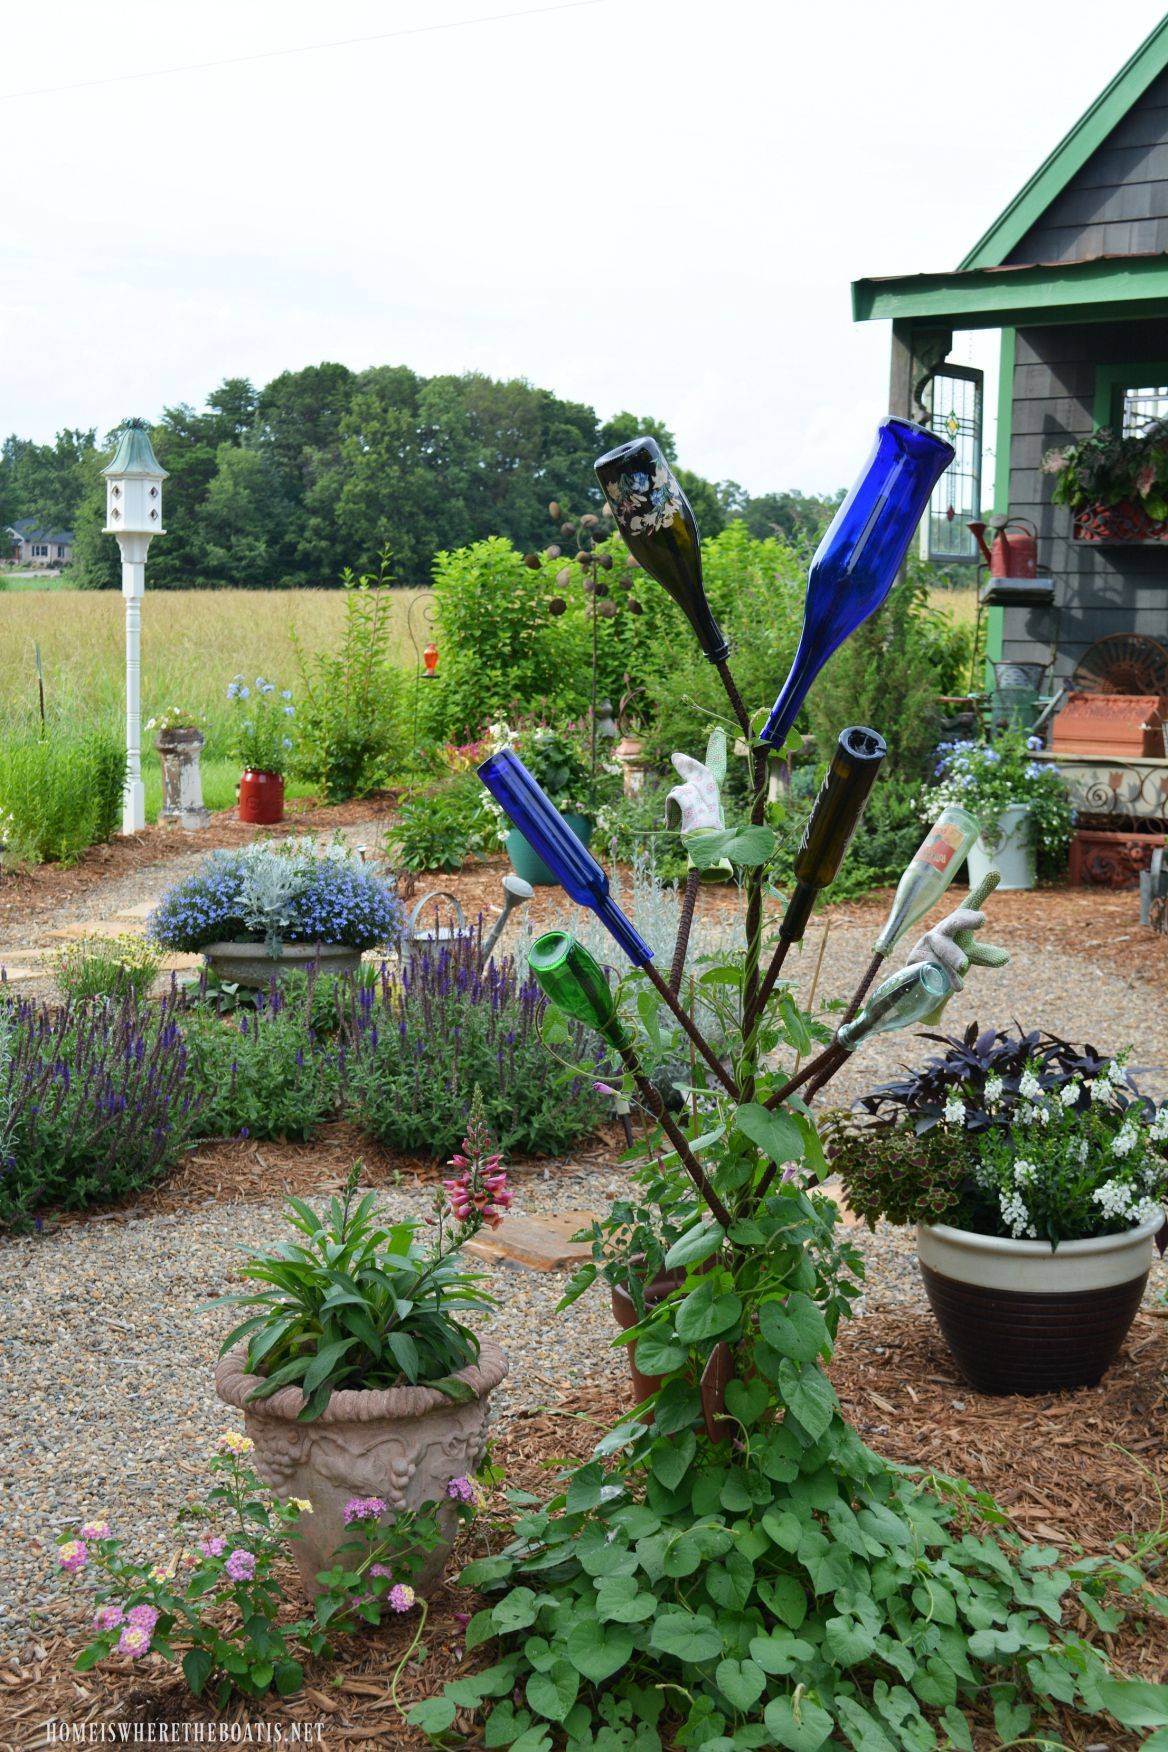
<point x="1015" y="854"/>
<point x="1021" y="1318"/>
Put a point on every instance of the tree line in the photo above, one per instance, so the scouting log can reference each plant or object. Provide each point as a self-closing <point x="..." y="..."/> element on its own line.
<point x="325" y="468"/>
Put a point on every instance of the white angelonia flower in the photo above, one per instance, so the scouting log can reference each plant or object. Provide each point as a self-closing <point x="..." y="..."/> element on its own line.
<point x="1082" y="1150"/>
<point x="1124" y="1142"/>
<point x="1159" y="1128"/>
<point x="1030" y="1088"/>
<point x="993" y="1091"/>
<point x="1101" y="1090"/>
<point x="955" y="1111"/>
<point x="1114" y="1198"/>
<point x="1016" y="1215"/>
<point x="1069" y="1094"/>
<point x="1115" y="1073"/>
<point x="1025" y="1173"/>
<point x="1148" y="1211"/>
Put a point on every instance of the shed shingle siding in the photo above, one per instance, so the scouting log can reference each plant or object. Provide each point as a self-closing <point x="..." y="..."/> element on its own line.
<point x="1117" y="204"/>
<point x="1101" y="590"/>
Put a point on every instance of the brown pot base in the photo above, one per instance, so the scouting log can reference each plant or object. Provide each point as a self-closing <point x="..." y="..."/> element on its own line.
<point x="625" y="1314"/>
<point x="1007" y="1341"/>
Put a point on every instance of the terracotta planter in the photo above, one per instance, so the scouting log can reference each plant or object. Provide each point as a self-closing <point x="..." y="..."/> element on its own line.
<point x="403" y="1444"/>
<point x="261" y="798"/>
<point x="1021" y="1319"/>
<point x="249" y="964"/>
<point x="625" y="1313"/>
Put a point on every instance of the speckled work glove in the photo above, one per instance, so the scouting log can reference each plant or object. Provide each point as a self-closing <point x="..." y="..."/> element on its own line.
<point x="952" y="943"/>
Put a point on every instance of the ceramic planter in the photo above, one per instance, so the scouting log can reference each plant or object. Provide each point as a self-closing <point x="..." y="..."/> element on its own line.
<point x="249" y="964"/>
<point x="527" y="863"/>
<point x="182" y="779"/>
<point x="1021" y="1319"/>
<point x="625" y="1313"/>
<point x="1015" y="853"/>
<point x="261" y="797"/>
<point x="403" y="1444"/>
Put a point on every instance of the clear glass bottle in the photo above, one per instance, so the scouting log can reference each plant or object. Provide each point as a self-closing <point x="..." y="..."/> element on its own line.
<point x="928" y="874"/>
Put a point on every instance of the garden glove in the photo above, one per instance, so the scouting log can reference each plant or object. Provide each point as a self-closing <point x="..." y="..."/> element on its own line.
<point x="952" y="942"/>
<point x="696" y="804"/>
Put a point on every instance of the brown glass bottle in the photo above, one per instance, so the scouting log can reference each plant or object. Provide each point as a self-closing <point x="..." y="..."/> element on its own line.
<point x="833" y="820"/>
<point x="658" y="526"/>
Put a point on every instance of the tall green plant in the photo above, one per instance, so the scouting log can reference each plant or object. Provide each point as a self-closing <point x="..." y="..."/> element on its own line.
<point x="62" y="791"/>
<point x="350" y="717"/>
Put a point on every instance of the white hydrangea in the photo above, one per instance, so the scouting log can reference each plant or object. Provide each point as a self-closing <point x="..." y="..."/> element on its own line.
<point x="993" y="1091"/>
<point x="1030" y="1088"/>
<point x="955" y="1111"/>
<point x="1025" y="1173"/>
<point x="1016" y="1216"/>
<point x="1069" y="1094"/>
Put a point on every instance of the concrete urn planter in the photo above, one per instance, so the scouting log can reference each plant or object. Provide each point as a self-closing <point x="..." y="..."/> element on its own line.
<point x="403" y="1444"/>
<point x="1020" y="1318"/>
<point x="249" y="964"/>
<point x="182" y="778"/>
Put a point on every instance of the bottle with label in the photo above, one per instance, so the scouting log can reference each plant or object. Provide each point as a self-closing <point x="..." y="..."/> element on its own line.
<point x="910" y="995"/>
<point x="929" y="873"/>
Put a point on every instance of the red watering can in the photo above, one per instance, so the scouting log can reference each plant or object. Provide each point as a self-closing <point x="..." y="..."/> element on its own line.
<point x="1014" y="553"/>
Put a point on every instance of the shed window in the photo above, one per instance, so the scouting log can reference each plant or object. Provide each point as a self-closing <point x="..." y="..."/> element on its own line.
<point x="1142" y="407"/>
<point x="954" y="399"/>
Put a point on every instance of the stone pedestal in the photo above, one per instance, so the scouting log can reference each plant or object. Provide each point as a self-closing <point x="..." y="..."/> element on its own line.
<point x="182" y="780"/>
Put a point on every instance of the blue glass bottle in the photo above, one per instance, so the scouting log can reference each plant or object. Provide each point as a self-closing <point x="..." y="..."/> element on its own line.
<point x="571" y="863"/>
<point x="862" y="551"/>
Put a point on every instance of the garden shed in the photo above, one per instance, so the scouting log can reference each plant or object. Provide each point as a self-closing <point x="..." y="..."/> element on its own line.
<point x="1074" y="275"/>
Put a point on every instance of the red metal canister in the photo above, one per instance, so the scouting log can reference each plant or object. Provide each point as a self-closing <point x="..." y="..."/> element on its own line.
<point x="261" y="798"/>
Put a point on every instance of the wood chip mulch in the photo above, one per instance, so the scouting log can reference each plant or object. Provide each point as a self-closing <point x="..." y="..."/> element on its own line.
<point x="1077" y="1471"/>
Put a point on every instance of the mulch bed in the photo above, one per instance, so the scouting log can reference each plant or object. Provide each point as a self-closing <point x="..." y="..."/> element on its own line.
<point x="1074" y="1470"/>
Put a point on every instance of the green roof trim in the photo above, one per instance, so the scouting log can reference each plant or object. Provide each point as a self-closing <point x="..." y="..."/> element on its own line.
<point x="1073" y="151"/>
<point x="135" y="453"/>
<point x="1114" y="288"/>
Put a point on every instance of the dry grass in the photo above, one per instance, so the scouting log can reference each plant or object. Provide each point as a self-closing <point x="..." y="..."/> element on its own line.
<point x="959" y="606"/>
<point x="193" y="642"/>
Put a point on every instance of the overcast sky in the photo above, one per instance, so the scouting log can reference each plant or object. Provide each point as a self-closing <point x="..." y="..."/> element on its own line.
<point x="645" y="204"/>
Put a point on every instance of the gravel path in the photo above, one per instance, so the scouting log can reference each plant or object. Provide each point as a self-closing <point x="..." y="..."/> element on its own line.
<point x="106" y="1361"/>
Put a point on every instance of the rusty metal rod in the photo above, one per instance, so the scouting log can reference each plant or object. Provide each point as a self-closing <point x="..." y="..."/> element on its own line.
<point x="656" y="1105"/>
<point x="693" y="1031"/>
<point x="689" y="900"/>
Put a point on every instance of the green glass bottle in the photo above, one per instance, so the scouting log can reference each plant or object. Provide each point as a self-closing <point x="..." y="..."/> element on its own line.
<point x="834" y="819"/>
<point x="928" y="875"/>
<point x="910" y="995"/>
<point x="658" y="526"/>
<point x="577" y="984"/>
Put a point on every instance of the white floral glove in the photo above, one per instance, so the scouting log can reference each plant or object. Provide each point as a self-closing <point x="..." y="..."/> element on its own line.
<point x="697" y="803"/>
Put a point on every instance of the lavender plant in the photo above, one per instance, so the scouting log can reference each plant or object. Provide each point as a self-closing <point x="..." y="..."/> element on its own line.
<point x="288" y="893"/>
<point x="95" y="1102"/>
<point x="418" y="1040"/>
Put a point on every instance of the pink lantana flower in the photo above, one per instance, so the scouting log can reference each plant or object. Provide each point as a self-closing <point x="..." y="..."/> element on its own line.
<point x="240" y="1566"/>
<point x="73" y="1555"/>
<point x="108" y="1617"/>
<point x="401" y="1597"/>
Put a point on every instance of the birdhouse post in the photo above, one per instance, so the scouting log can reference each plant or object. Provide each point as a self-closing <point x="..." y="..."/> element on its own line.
<point x="133" y="513"/>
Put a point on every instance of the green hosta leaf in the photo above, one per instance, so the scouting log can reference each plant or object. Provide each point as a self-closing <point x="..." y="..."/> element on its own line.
<point x="686" y="1636"/>
<point x="553" y="1693"/>
<point x="705" y="1314"/>
<point x="741" y="1683"/>
<point x="597" y="1650"/>
<point x="671" y="1458"/>
<point x="808" y="1395"/>
<point x="433" y="1715"/>
<point x="695" y="1245"/>
<point x="801" y="1727"/>
<point x="1135" y="1703"/>
<point x="777" y="1134"/>
<point x="795" y="1327"/>
<point x="656" y="1355"/>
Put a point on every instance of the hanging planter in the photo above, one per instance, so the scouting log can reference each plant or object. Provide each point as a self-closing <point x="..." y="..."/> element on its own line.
<point x="1125" y="522"/>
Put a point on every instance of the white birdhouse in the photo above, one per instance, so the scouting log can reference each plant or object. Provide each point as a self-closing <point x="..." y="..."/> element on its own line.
<point x="133" y="484"/>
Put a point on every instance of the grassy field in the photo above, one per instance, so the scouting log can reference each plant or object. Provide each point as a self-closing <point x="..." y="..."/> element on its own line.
<point x="193" y="642"/>
<point x="959" y="605"/>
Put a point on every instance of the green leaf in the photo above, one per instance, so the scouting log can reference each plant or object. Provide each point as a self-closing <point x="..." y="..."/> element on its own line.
<point x="777" y="1134"/>
<point x="197" y="1666"/>
<point x="808" y="1395"/>
<point x="847" y="1641"/>
<point x="686" y="1636"/>
<point x="485" y="1570"/>
<point x="731" y="1583"/>
<point x="795" y="1327"/>
<point x="620" y="1601"/>
<point x="405" y="1353"/>
<point x="515" y="1611"/>
<point x="656" y="1355"/>
<point x="433" y="1715"/>
<point x="747" y="1400"/>
<point x="535" y="1739"/>
<point x="705" y="1314"/>
<point x="748" y="847"/>
<point x="671" y="1458"/>
<point x="741" y="1683"/>
<point x="957" y="1728"/>
<point x="288" y="1678"/>
<point x="1135" y="1703"/>
<point x="799" y="1727"/>
<point x="553" y="1693"/>
<point x="695" y="1245"/>
<point x="780" y="1652"/>
<point x="323" y="1364"/>
<point x="596" y="1650"/>
<point x="786" y="1599"/>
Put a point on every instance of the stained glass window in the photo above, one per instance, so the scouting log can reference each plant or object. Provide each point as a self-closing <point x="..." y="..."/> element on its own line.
<point x="954" y="398"/>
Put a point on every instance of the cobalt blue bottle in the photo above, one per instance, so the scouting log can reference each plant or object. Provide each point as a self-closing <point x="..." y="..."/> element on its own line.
<point x="862" y="551"/>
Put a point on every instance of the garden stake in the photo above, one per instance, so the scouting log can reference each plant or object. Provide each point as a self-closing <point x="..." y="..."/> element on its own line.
<point x="689" y="900"/>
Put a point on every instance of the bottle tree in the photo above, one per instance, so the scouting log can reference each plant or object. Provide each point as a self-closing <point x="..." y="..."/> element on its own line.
<point x="734" y="1567"/>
